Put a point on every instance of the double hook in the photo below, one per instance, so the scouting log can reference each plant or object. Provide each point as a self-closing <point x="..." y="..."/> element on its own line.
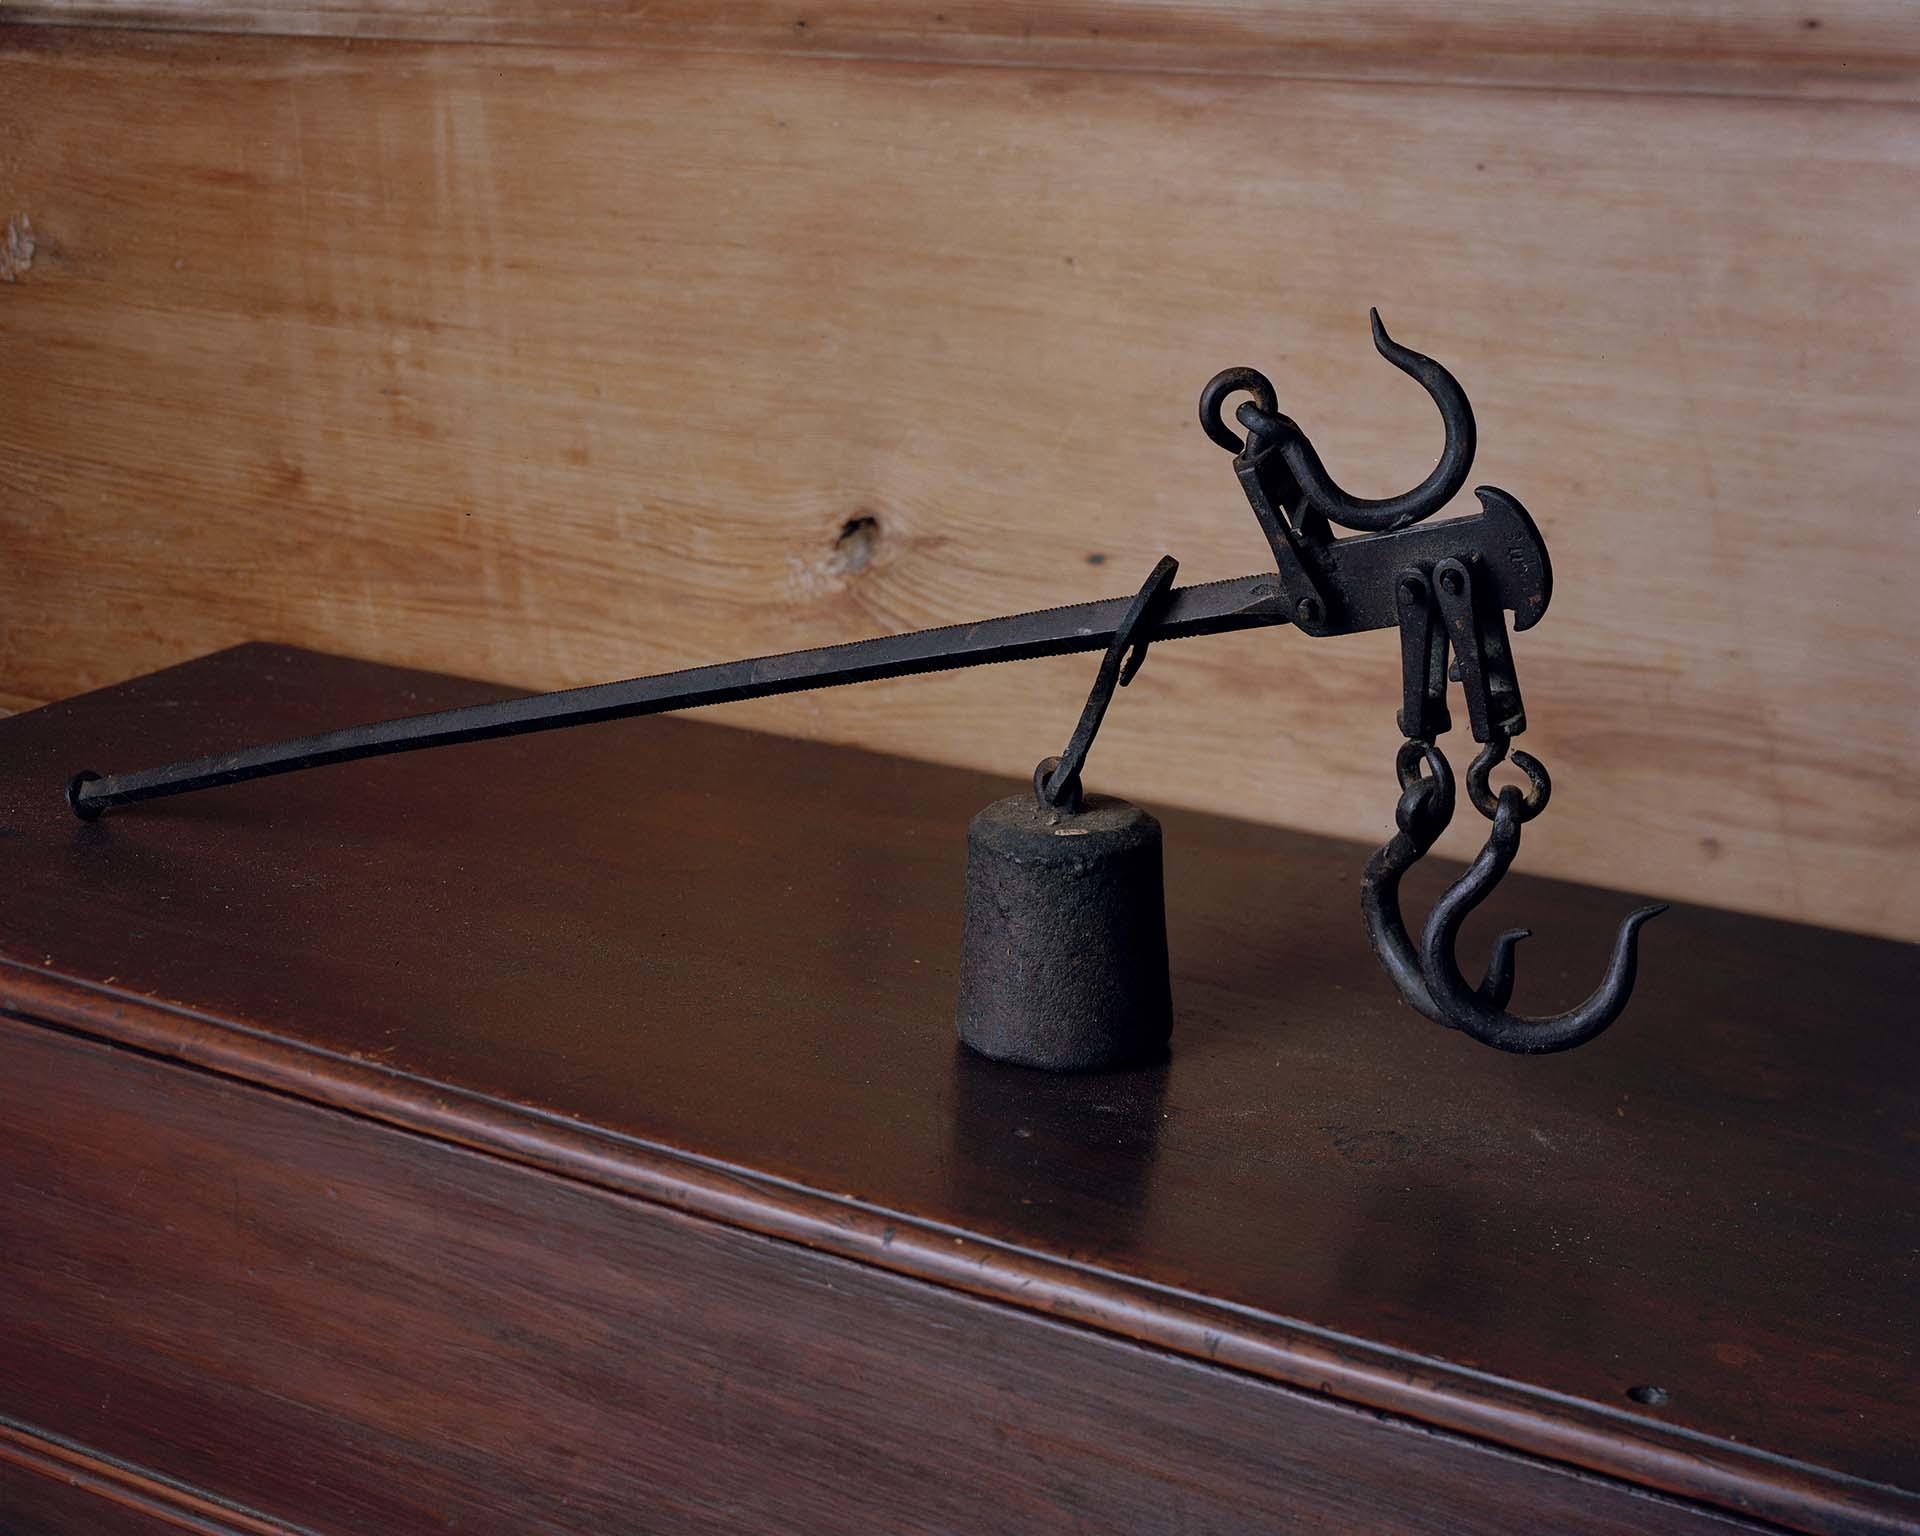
<point x="1428" y="976"/>
<point x="1450" y="593"/>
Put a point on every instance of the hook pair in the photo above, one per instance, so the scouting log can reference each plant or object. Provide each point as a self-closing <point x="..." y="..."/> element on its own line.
<point x="1429" y="976"/>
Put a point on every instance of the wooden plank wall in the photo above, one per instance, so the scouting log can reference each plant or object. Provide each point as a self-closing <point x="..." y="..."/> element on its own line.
<point x="554" y="342"/>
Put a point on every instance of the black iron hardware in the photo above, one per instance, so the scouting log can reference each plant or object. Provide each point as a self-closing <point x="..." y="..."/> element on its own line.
<point x="1056" y="782"/>
<point x="1445" y="586"/>
<point x="1063" y="952"/>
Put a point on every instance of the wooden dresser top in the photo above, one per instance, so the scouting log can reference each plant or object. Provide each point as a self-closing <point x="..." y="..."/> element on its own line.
<point x="716" y="970"/>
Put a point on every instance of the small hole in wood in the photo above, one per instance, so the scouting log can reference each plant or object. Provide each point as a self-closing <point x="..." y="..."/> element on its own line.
<point x="854" y="547"/>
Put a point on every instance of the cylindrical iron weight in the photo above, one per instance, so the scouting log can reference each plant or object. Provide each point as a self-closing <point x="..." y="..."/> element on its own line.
<point x="1063" y="962"/>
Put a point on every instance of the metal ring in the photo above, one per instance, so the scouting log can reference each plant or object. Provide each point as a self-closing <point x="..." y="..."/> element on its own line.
<point x="1426" y="802"/>
<point x="1408" y="760"/>
<point x="1064" y="796"/>
<point x="1540" y="786"/>
<point x="1230" y="381"/>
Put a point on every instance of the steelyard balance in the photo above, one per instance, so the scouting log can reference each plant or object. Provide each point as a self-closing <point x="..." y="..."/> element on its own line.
<point x="1064" y="959"/>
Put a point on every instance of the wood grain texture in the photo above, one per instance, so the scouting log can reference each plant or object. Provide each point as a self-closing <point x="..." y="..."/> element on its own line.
<point x="1862" y="50"/>
<point x="369" y="1332"/>
<point x="731" y="993"/>
<point x="559" y="365"/>
<point x="50" y="1487"/>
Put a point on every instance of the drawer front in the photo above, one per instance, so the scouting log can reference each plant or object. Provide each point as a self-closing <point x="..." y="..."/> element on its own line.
<point x="355" y="1329"/>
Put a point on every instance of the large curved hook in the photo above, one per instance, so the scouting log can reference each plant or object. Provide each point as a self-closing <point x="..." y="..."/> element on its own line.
<point x="1426" y="806"/>
<point x="1468" y="1010"/>
<point x="1429" y="977"/>
<point x="1318" y="489"/>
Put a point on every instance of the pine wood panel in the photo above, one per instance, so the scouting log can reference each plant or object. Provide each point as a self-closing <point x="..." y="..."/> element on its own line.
<point x="556" y="365"/>
<point x="1863" y="50"/>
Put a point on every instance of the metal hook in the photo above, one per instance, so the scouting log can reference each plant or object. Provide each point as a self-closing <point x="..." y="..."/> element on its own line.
<point x="1056" y="782"/>
<point x="1231" y="381"/>
<point x="1319" y="492"/>
<point x="1495" y="1026"/>
<point x="1429" y="978"/>
<point x="1426" y="806"/>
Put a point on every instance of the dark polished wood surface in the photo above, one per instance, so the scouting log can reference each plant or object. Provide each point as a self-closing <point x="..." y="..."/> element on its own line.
<point x="37" y="1503"/>
<point x="48" y="1488"/>
<point x="717" y="970"/>
<point x="422" y="1338"/>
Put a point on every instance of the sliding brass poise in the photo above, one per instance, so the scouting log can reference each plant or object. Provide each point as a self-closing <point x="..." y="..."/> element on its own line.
<point x="1445" y="587"/>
